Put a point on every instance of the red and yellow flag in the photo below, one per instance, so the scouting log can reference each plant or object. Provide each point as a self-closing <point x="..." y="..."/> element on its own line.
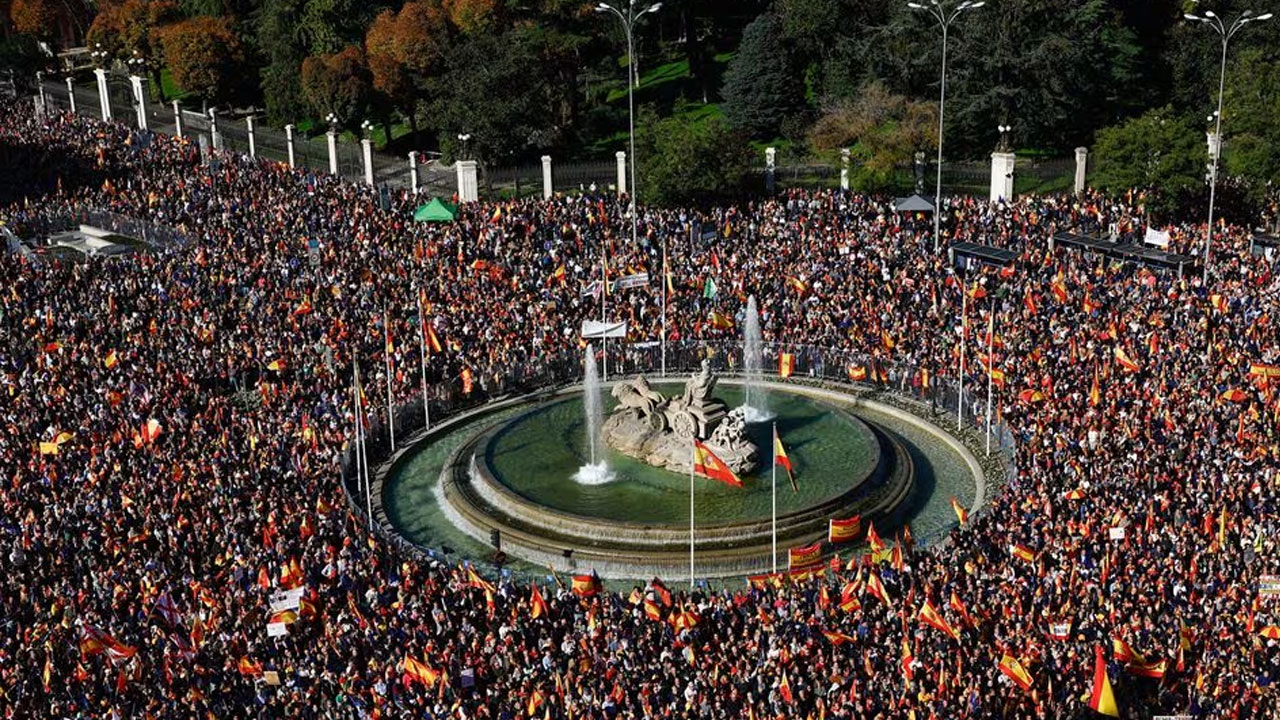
<point x="873" y="538"/>
<point x="930" y="616"/>
<point x="537" y="605"/>
<point x="1101" y="699"/>
<point x="586" y="585"/>
<point x="1013" y="670"/>
<point x="961" y="514"/>
<point x="780" y="458"/>
<point x="706" y="464"/>
<point x="786" y="364"/>
<point x="1125" y="361"/>
<point x="841" y="531"/>
<point x="1023" y="552"/>
<point x="415" y="671"/>
<point x="802" y="557"/>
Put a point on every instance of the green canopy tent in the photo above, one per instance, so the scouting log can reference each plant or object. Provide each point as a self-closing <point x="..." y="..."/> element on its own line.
<point x="435" y="211"/>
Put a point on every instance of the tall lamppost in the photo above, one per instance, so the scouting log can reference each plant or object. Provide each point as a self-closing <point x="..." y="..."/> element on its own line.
<point x="629" y="19"/>
<point x="1227" y="31"/>
<point x="945" y="18"/>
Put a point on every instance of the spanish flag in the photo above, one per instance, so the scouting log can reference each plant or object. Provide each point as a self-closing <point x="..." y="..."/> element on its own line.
<point x="48" y="448"/>
<point x="1013" y="670"/>
<point x="415" y="671"/>
<point x="961" y="514"/>
<point x="586" y="585"/>
<point x="1101" y="698"/>
<point x="706" y="464"/>
<point x="840" y="531"/>
<point x="467" y="381"/>
<point x="786" y="364"/>
<point x="798" y="285"/>
<point x="249" y="667"/>
<point x="784" y="688"/>
<point x="1023" y="552"/>
<point x="720" y="321"/>
<point x="537" y="606"/>
<point x="876" y="588"/>
<point x="111" y="360"/>
<point x="535" y="701"/>
<point x="1095" y="393"/>
<point x="857" y="373"/>
<point x="1125" y="361"/>
<point x="780" y="458"/>
<point x="1235" y="395"/>
<point x="873" y="538"/>
<point x="837" y="638"/>
<point x="800" y="557"/>
<point x="930" y="616"/>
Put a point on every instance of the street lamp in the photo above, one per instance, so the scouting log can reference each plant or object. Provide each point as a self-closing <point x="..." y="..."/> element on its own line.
<point x="463" y="139"/>
<point x="945" y="18"/>
<point x="99" y="55"/>
<point x="629" y="19"/>
<point x="366" y="128"/>
<point x="1227" y="32"/>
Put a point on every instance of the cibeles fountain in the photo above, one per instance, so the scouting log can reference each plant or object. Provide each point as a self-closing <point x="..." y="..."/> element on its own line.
<point x="660" y="430"/>
<point x="596" y="476"/>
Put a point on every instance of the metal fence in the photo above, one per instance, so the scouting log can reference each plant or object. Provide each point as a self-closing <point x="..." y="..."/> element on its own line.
<point x="892" y="382"/>
<point x="157" y="236"/>
<point x="1031" y="175"/>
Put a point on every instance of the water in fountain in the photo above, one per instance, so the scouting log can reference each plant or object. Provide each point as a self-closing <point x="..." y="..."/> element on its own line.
<point x="596" y="471"/>
<point x="756" y="406"/>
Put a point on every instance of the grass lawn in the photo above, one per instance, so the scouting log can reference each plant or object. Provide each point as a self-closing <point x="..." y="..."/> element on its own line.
<point x="171" y="90"/>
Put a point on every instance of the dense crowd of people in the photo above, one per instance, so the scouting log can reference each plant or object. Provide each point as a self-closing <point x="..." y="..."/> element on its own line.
<point x="173" y="423"/>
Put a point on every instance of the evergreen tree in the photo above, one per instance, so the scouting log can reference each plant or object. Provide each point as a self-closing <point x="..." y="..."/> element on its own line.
<point x="761" y="87"/>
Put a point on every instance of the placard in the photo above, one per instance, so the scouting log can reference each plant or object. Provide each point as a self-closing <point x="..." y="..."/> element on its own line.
<point x="1116" y="533"/>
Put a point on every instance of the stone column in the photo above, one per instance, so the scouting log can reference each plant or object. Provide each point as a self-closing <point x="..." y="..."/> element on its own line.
<point x="844" y="168"/>
<point x="104" y="102"/>
<point x="40" y="87"/>
<point x="177" y="119"/>
<point x="288" y="142"/>
<point x="332" y="136"/>
<point x="622" y="172"/>
<point x="413" y="171"/>
<point x="253" y="146"/>
<point x="1082" y="161"/>
<point x="1002" y="176"/>
<point x="139" y="99"/>
<point x="1214" y="146"/>
<point x="71" y="94"/>
<point x="468" y="188"/>
<point x="213" y="129"/>
<point x="366" y="148"/>
<point x="770" y="159"/>
<point x="546" y="177"/>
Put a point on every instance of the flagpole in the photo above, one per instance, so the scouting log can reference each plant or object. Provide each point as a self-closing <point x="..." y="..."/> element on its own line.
<point x="964" y="336"/>
<point x="774" y="533"/>
<point x="694" y="461"/>
<point x="364" y="449"/>
<point x="422" y="352"/>
<point x="604" y="300"/>
<point x="391" y="410"/>
<point x="991" y="366"/>
<point x="665" y="275"/>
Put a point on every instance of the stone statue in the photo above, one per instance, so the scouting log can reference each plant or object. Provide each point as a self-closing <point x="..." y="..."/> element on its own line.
<point x="661" y="430"/>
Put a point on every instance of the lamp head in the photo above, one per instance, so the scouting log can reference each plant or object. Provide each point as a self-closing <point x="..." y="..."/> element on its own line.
<point x="1265" y="16"/>
<point x="1209" y="14"/>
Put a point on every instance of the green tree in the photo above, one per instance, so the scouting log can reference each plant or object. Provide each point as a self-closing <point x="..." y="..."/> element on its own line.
<point x="1251" y="124"/>
<point x="338" y="83"/>
<point x="1159" y="152"/>
<point x="761" y="88"/>
<point x="132" y="28"/>
<point x="405" y="48"/>
<point x="493" y="88"/>
<point x="684" y="162"/>
<point x="205" y="56"/>
<point x="283" y="47"/>
<point x="883" y="131"/>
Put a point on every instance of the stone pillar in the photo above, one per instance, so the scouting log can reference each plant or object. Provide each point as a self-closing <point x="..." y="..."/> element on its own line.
<point x="177" y="118"/>
<point x="104" y="102"/>
<point x="139" y="99"/>
<point x="71" y="94"/>
<point x="1082" y="161"/>
<point x="413" y="171"/>
<point x="546" y="177"/>
<point x="332" y="136"/>
<point x="770" y="160"/>
<point x="1002" y="176"/>
<point x="844" y="168"/>
<point x="213" y="129"/>
<point x="366" y="148"/>
<point x="288" y="142"/>
<point x="40" y="87"/>
<point x="253" y="146"/>
<point x="1214" y="146"/>
<point x="622" y="172"/>
<point x="468" y="189"/>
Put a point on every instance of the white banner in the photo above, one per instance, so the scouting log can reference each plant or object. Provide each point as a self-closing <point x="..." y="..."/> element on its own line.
<point x="594" y="329"/>
<point x="1159" y="238"/>
<point x="631" y="281"/>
